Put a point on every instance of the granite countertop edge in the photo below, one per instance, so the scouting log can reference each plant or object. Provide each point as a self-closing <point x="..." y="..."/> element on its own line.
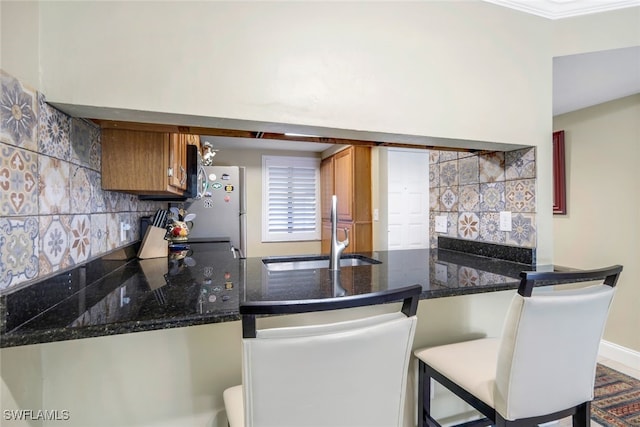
<point x="95" y="331"/>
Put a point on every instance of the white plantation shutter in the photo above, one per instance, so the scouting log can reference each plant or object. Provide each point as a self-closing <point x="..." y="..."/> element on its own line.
<point x="290" y="200"/>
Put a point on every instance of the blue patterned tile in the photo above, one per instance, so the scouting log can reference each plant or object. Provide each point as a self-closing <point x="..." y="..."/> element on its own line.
<point x="54" y="243"/>
<point x="492" y="197"/>
<point x="520" y="164"/>
<point x="449" y="173"/>
<point x="98" y="204"/>
<point x="490" y="228"/>
<point x="523" y="230"/>
<point x="449" y="199"/>
<point x="469" y="172"/>
<point x="54" y="128"/>
<point x="84" y="142"/>
<point x="80" y="190"/>
<point x="19" y="244"/>
<point x="446" y="156"/>
<point x="18" y="113"/>
<point x="18" y="181"/>
<point x="98" y="233"/>
<point x="434" y="176"/>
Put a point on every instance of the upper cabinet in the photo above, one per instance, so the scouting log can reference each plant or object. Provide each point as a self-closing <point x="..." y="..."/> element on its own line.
<point x="347" y="174"/>
<point x="143" y="162"/>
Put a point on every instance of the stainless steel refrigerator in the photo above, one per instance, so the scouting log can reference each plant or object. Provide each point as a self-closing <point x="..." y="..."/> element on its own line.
<point x="220" y="209"/>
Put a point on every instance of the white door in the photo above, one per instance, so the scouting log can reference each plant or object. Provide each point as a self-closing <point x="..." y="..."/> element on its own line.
<point x="408" y="198"/>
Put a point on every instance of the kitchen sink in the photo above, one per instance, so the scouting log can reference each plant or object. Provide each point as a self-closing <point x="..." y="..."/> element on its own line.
<point x="313" y="262"/>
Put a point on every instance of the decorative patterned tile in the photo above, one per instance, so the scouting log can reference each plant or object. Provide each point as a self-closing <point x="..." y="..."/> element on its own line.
<point x="468" y="168"/>
<point x="95" y="154"/>
<point x="19" y="246"/>
<point x="54" y="186"/>
<point x="492" y="197"/>
<point x="449" y="173"/>
<point x="98" y="203"/>
<point x="469" y="199"/>
<point x="487" y="278"/>
<point x="468" y="225"/>
<point x="523" y="230"/>
<point x="18" y="179"/>
<point x="80" y="238"/>
<point x="468" y="277"/>
<point x="491" y="167"/>
<point x="80" y="190"/>
<point x="98" y="234"/>
<point x="449" y="199"/>
<point x="84" y="143"/>
<point x="18" y="113"/>
<point x="520" y="164"/>
<point x="452" y="224"/>
<point x="463" y="154"/>
<point x="434" y="156"/>
<point x="111" y="201"/>
<point x="54" y="128"/>
<point x="520" y="195"/>
<point x="490" y="228"/>
<point x="113" y="231"/>
<point x="54" y="243"/>
<point x="446" y="156"/>
<point x="434" y="176"/>
<point x="434" y="199"/>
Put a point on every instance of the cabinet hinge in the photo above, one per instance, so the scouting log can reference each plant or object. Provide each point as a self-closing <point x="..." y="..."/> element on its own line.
<point x="169" y="172"/>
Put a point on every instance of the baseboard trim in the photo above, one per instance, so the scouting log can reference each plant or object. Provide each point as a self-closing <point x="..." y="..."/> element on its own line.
<point x="620" y="354"/>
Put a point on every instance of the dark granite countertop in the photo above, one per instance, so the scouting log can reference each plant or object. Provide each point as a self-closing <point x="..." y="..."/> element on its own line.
<point x="120" y="294"/>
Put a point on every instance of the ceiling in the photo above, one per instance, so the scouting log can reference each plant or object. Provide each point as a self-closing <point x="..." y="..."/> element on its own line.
<point x="579" y="81"/>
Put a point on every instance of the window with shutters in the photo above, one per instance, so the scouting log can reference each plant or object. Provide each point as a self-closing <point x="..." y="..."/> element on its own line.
<point x="290" y="198"/>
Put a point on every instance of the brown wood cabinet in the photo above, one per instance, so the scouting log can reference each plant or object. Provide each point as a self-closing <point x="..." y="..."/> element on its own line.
<point x="347" y="174"/>
<point x="143" y="162"/>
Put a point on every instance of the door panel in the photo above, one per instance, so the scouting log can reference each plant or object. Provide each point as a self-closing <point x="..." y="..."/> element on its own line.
<point x="408" y="198"/>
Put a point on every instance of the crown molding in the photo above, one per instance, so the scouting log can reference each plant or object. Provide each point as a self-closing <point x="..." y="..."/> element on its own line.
<point x="559" y="9"/>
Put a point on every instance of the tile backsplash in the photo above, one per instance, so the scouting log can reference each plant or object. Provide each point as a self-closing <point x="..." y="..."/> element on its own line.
<point x="53" y="212"/>
<point x="472" y="189"/>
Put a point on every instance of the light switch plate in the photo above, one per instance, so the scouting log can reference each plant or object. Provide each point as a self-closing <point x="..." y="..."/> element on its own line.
<point x="441" y="224"/>
<point x="505" y="221"/>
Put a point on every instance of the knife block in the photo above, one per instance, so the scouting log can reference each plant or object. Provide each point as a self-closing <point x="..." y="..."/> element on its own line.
<point x="154" y="244"/>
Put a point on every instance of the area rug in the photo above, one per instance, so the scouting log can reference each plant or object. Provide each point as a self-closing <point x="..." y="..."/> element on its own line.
<point x="617" y="399"/>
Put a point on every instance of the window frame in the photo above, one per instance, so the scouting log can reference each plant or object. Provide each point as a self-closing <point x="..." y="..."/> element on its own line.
<point x="289" y="161"/>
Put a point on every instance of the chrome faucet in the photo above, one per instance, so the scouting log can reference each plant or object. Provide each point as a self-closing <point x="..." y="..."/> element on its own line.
<point x="336" y="246"/>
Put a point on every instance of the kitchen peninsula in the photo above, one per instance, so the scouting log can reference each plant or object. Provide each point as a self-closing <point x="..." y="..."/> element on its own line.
<point x="119" y="294"/>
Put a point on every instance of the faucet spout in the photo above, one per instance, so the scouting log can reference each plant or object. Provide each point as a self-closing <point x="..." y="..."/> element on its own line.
<point x="337" y="247"/>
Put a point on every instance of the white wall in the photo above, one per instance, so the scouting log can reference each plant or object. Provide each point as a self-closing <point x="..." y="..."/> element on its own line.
<point x="602" y="148"/>
<point x="19" y="41"/>
<point x="425" y="69"/>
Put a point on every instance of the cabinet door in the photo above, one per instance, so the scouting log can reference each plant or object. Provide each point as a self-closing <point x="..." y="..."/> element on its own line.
<point x="178" y="161"/>
<point x="134" y="161"/>
<point x="326" y="187"/>
<point x="343" y="186"/>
